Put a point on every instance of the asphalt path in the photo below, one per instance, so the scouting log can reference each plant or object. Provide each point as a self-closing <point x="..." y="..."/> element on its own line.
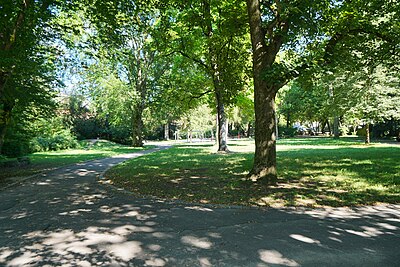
<point x="68" y="217"/>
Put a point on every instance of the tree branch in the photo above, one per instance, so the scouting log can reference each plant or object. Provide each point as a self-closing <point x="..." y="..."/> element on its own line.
<point x="198" y="61"/>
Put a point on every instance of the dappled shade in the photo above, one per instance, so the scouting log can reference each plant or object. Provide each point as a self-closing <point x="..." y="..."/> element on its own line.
<point x="312" y="172"/>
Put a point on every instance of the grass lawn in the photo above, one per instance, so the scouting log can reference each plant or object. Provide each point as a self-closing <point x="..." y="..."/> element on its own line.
<point x="44" y="161"/>
<point x="312" y="172"/>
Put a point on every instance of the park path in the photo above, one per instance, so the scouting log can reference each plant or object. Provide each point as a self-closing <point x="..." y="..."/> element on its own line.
<point x="68" y="218"/>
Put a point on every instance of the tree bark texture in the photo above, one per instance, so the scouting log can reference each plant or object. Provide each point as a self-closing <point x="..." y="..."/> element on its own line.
<point x="336" y="132"/>
<point x="137" y="127"/>
<point x="222" y="125"/>
<point x="264" y="166"/>
<point x="367" y="134"/>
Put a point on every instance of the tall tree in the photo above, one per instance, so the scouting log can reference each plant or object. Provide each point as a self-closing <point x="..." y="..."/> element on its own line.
<point x="26" y="59"/>
<point x="310" y="31"/>
<point x="213" y="35"/>
<point x="127" y="43"/>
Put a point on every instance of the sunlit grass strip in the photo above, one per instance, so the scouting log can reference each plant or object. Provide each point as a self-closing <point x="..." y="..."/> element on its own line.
<point x="42" y="161"/>
<point x="321" y="172"/>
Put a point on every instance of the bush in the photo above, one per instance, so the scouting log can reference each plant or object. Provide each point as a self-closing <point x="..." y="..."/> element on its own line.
<point x="121" y="135"/>
<point x="89" y="128"/>
<point x="13" y="148"/>
<point x="287" y="132"/>
<point x="60" y="140"/>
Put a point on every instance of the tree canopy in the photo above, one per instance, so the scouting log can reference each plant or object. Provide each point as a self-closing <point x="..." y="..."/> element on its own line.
<point x="142" y="66"/>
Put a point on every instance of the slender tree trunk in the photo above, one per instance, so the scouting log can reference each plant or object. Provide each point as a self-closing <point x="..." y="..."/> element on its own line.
<point x="329" y="127"/>
<point x="276" y="126"/>
<point x="166" y="131"/>
<point x="9" y="39"/>
<point x="323" y="127"/>
<point x="248" y="130"/>
<point x="222" y="125"/>
<point x="367" y="134"/>
<point x="288" y="120"/>
<point x="222" y="134"/>
<point x="137" y="127"/>
<point x="336" y="133"/>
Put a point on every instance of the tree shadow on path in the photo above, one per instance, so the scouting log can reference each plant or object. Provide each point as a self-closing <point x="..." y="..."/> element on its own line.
<point x="67" y="218"/>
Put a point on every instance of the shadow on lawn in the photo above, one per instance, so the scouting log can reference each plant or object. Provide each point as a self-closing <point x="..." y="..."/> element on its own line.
<point x="66" y="218"/>
<point x="308" y="177"/>
<point x="349" y="176"/>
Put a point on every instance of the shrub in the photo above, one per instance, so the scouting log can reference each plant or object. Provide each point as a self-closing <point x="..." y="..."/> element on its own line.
<point x="287" y="132"/>
<point x="15" y="147"/>
<point x="61" y="140"/>
<point x="121" y="135"/>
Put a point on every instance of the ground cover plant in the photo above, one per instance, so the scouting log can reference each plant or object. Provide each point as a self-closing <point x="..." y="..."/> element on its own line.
<point x="312" y="172"/>
<point x="44" y="161"/>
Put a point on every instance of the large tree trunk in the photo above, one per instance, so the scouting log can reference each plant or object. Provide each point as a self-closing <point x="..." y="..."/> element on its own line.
<point x="264" y="166"/>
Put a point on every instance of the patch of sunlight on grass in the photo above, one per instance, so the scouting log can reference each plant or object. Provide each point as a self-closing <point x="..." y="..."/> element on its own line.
<point x="312" y="172"/>
<point x="43" y="161"/>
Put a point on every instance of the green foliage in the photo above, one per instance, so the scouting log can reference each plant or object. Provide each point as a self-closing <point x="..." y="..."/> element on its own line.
<point x="88" y="128"/>
<point x="15" y="146"/>
<point x="287" y="132"/>
<point x="30" y="38"/>
<point x="36" y="130"/>
<point x="62" y="139"/>
<point x="198" y="119"/>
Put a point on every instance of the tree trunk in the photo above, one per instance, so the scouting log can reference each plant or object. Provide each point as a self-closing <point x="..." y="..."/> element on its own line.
<point x="137" y="127"/>
<point x="336" y="133"/>
<point x="222" y="125"/>
<point x="367" y="134"/>
<point x="329" y="127"/>
<point x="276" y="126"/>
<point x="248" y="130"/>
<point x="222" y="134"/>
<point x="264" y="166"/>
<point x="166" y="131"/>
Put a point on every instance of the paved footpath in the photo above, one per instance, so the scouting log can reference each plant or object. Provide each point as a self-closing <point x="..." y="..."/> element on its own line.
<point x="68" y="218"/>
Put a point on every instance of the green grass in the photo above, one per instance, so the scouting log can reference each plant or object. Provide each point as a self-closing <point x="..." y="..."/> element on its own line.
<point x="44" y="161"/>
<point x="312" y="172"/>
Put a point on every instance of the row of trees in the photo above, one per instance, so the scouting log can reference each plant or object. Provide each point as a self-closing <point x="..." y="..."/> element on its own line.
<point x="151" y="62"/>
